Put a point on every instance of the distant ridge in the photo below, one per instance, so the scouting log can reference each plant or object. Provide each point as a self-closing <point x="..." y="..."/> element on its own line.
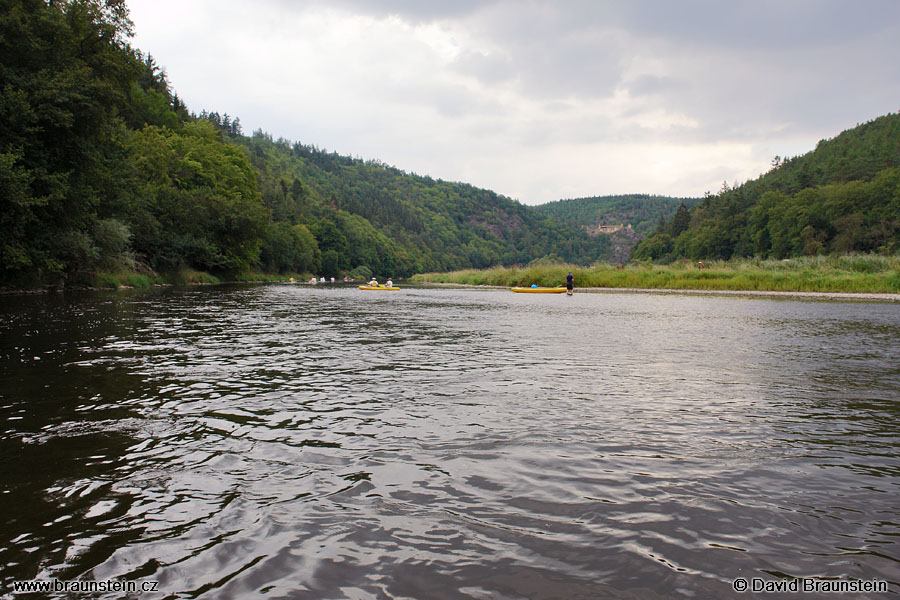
<point x="641" y="211"/>
<point x="625" y="218"/>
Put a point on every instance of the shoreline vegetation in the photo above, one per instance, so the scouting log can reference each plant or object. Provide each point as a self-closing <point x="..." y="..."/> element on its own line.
<point x="182" y="277"/>
<point x="847" y="274"/>
<point x="839" y="276"/>
<point x="131" y="279"/>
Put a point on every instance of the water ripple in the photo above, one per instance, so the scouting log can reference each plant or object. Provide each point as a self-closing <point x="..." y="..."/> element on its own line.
<point x="298" y="442"/>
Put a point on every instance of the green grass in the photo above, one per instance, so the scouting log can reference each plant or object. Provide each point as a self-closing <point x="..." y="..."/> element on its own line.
<point x="254" y="277"/>
<point x="184" y="276"/>
<point x="190" y="276"/>
<point x="125" y="279"/>
<point x="119" y="279"/>
<point x="258" y="277"/>
<point x="853" y="273"/>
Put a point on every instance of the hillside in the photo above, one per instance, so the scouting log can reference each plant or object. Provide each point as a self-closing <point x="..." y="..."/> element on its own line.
<point x="641" y="211"/>
<point x="365" y="214"/>
<point x="638" y="214"/>
<point x="844" y="196"/>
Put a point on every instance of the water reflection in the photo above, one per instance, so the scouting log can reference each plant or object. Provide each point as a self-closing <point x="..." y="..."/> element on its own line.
<point x="289" y="441"/>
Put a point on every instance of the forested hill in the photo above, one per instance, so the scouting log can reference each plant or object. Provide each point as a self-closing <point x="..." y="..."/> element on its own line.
<point x="104" y="170"/>
<point x="642" y="211"/>
<point x="842" y="197"/>
<point x="371" y="215"/>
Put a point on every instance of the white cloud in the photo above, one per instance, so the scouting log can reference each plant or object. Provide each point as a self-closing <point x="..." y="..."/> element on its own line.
<point x="538" y="100"/>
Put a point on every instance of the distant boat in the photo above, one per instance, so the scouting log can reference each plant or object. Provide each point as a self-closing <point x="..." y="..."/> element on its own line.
<point x="539" y="290"/>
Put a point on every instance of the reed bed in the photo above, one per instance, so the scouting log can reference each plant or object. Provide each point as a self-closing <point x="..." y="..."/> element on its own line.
<point x="852" y="273"/>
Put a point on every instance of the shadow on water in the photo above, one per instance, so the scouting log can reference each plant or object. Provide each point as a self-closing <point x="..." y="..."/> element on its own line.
<point x="307" y="442"/>
<point x="67" y="426"/>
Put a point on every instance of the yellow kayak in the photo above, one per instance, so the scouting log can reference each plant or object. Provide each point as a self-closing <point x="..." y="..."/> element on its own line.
<point x="381" y="288"/>
<point x="538" y="290"/>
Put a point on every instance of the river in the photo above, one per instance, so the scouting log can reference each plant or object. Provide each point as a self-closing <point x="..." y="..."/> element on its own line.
<point x="296" y="441"/>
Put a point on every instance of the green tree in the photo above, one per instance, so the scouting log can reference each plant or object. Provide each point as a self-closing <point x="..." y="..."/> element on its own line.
<point x="680" y="221"/>
<point x="331" y="263"/>
<point x="289" y="249"/>
<point x="65" y="74"/>
<point x="196" y="200"/>
<point x="656" y="247"/>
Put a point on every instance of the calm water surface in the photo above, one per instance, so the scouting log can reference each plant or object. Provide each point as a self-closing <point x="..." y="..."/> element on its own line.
<point x="323" y="442"/>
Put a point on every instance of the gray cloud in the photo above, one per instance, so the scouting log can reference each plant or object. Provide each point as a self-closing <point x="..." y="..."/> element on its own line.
<point x="761" y="24"/>
<point x="459" y="88"/>
<point x="415" y="11"/>
<point x="489" y="68"/>
<point x="649" y="85"/>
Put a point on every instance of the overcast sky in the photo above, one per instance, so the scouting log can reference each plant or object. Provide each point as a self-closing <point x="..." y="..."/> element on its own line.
<point x="539" y="100"/>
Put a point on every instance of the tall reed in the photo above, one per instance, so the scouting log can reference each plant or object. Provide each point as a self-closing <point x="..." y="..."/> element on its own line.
<point x="855" y="273"/>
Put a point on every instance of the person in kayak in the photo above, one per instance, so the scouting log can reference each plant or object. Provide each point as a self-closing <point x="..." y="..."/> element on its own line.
<point x="389" y="283"/>
<point x="570" y="282"/>
<point x="374" y="282"/>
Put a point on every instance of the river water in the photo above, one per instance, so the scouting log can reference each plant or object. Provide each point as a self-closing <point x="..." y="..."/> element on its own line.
<point x="291" y="441"/>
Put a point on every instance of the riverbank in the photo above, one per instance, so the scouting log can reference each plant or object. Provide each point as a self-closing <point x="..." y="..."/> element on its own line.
<point x="842" y="296"/>
<point x="850" y="274"/>
<point x="148" y="279"/>
<point x="837" y="296"/>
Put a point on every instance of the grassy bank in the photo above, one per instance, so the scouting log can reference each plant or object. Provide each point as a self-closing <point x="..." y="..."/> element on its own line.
<point x="182" y="277"/>
<point x="145" y="279"/>
<point x="845" y="274"/>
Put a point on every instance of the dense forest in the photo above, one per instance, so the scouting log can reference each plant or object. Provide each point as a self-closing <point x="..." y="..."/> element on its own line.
<point x="371" y="215"/>
<point x="103" y="169"/>
<point x="101" y="166"/>
<point x="642" y="211"/>
<point x="842" y="197"/>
